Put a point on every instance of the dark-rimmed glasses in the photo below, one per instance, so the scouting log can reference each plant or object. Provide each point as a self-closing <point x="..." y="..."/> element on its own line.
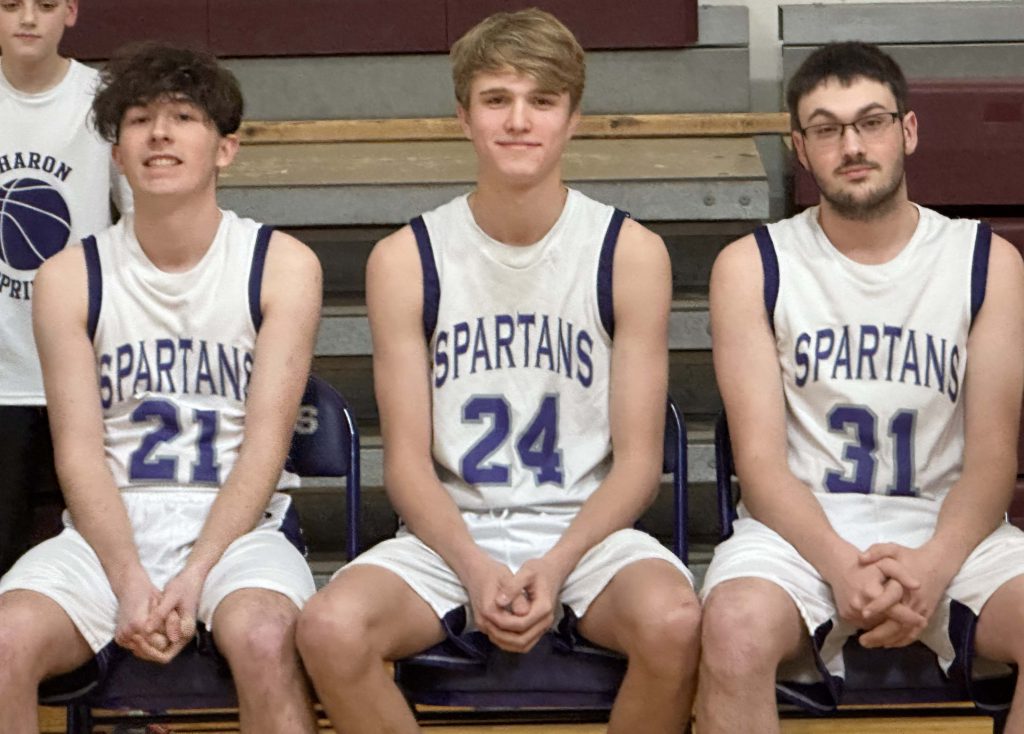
<point x="869" y="127"/>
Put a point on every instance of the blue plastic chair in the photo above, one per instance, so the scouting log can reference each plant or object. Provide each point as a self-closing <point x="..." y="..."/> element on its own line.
<point x="559" y="676"/>
<point x="325" y="444"/>
<point x="874" y="677"/>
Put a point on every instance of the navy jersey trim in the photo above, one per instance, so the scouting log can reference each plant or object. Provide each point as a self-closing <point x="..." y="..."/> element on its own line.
<point x="94" y="278"/>
<point x="770" y="265"/>
<point x="431" y="283"/>
<point x="605" y="305"/>
<point x="259" y="261"/>
<point x="979" y="267"/>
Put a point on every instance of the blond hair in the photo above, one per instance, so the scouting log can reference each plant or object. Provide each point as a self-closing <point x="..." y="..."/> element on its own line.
<point x="530" y="42"/>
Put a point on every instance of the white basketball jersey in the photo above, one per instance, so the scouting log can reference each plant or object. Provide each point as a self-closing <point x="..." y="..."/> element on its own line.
<point x="520" y="339"/>
<point x="174" y="354"/>
<point x="55" y="187"/>
<point x="874" y="356"/>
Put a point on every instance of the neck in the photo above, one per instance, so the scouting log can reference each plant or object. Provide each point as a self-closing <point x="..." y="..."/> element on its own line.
<point x="870" y="240"/>
<point x="175" y="237"/>
<point x="37" y="76"/>
<point x="518" y="216"/>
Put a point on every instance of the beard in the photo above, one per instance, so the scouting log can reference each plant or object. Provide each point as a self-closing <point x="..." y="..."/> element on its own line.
<point x="871" y="205"/>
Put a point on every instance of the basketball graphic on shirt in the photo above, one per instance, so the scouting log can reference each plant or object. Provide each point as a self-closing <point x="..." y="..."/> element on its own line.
<point x="34" y="222"/>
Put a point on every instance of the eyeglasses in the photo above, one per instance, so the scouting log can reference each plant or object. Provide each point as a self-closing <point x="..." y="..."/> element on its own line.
<point x="869" y="127"/>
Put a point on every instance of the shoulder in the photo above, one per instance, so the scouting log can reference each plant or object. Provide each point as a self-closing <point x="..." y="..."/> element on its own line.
<point x="1005" y="268"/>
<point x="61" y="284"/>
<point x="395" y="255"/>
<point x="291" y="273"/>
<point x="67" y="267"/>
<point x="739" y="260"/>
<point x="289" y="252"/>
<point x="638" y="247"/>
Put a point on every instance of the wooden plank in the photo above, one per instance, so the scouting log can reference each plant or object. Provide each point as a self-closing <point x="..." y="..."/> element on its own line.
<point x="447" y="128"/>
<point x="916" y="725"/>
<point x="327" y="164"/>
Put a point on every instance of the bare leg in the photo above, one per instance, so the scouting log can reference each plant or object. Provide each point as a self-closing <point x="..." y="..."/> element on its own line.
<point x="650" y="614"/>
<point x="255" y="630"/>
<point x="750" y="625"/>
<point x="999" y="637"/>
<point x="365" y="617"/>
<point x="37" y="641"/>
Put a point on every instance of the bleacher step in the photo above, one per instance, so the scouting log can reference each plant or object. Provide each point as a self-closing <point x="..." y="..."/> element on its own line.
<point x="345" y="330"/>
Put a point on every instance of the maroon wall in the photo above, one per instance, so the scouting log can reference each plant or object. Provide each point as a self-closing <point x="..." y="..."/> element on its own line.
<point x="304" y="27"/>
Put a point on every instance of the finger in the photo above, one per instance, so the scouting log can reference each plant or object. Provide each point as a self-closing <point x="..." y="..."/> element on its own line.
<point x="520" y="605"/>
<point x="172" y="625"/>
<point x="188" y="626"/>
<point x="142" y="648"/>
<point x="888" y="631"/>
<point x="892" y="592"/>
<point x="895" y="570"/>
<point x="511" y="587"/>
<point x="906" y="616"/>
<point x="878" y="551"/>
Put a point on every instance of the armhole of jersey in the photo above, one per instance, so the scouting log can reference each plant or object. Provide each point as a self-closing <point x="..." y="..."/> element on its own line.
<point x="431" y="283"/>
<point x="94" y="278"/>
<point x="259" y="261"/>
<point x="979" y="267"/>
<point x="770" y="265"/>
<point x="605" y="304"/>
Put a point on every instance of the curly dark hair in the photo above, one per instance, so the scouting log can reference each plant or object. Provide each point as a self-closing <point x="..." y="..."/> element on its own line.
<point x="140" y="73"/>
<point x="845" y="61"/>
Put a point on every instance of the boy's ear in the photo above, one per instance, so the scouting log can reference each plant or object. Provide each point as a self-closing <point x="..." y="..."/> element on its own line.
<point x="72" y="16"/>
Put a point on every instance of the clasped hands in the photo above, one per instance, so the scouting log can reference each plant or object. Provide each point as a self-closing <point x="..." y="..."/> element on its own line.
<point x="891" y="592"/>
<point x="514" y="609"/>
<point x="155" y="625"/>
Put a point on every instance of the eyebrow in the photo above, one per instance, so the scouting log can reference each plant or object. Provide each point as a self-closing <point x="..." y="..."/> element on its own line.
<point x="506" y="90"/>
<point x="866" y="109"/>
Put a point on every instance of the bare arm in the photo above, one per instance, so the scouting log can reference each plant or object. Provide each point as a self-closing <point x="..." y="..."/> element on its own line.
<point x="976" y="503"/>
<point x="290" y="300"/>
<point x="401" y="374"/>
<point x="642" y="301"/>
<point x="59" y="312"/>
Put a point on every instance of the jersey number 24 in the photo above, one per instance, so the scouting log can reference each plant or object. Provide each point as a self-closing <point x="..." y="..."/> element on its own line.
<point x="537" y="445"/>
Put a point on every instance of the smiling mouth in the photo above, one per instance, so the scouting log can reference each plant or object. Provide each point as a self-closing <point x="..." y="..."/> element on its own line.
<point x="161" y="162"/>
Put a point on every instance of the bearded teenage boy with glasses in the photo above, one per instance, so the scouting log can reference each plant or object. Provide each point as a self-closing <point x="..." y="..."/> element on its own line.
<point x="870" y="354"/>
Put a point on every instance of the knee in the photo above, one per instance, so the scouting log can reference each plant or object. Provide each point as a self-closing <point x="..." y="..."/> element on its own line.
<point x="18" y="651"/>
<point x="739" y="634"/>
<point x="668" y="637"/>
<point x="258" y="640"/>
<point x="333" y="627"/>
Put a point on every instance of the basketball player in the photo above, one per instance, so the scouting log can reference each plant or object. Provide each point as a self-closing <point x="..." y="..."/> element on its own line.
<point x="870" y="354"/>
<point x="501" y="394"/>
<point x="175" y="347"/>
<point x="56" y="180"/>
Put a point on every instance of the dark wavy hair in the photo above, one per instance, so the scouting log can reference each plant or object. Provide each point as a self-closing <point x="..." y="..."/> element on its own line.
<point x="141" y="73"/>
<point x="846" y="61"/>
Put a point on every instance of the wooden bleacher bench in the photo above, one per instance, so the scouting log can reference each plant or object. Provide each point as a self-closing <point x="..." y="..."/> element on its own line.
<point x="677" y="167"/>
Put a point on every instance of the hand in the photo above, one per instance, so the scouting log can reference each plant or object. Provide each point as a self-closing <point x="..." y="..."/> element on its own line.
<point x="539" y="581"/>
<point x="175" y="613"/>
<point x="493" y="596"/>
<point x="926" y="564"/>
<point x="865" y="592"/>
<point x="136" y="629"/>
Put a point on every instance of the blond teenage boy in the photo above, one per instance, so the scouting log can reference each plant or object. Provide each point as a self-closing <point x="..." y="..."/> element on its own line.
<point x="502" y="395"/>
